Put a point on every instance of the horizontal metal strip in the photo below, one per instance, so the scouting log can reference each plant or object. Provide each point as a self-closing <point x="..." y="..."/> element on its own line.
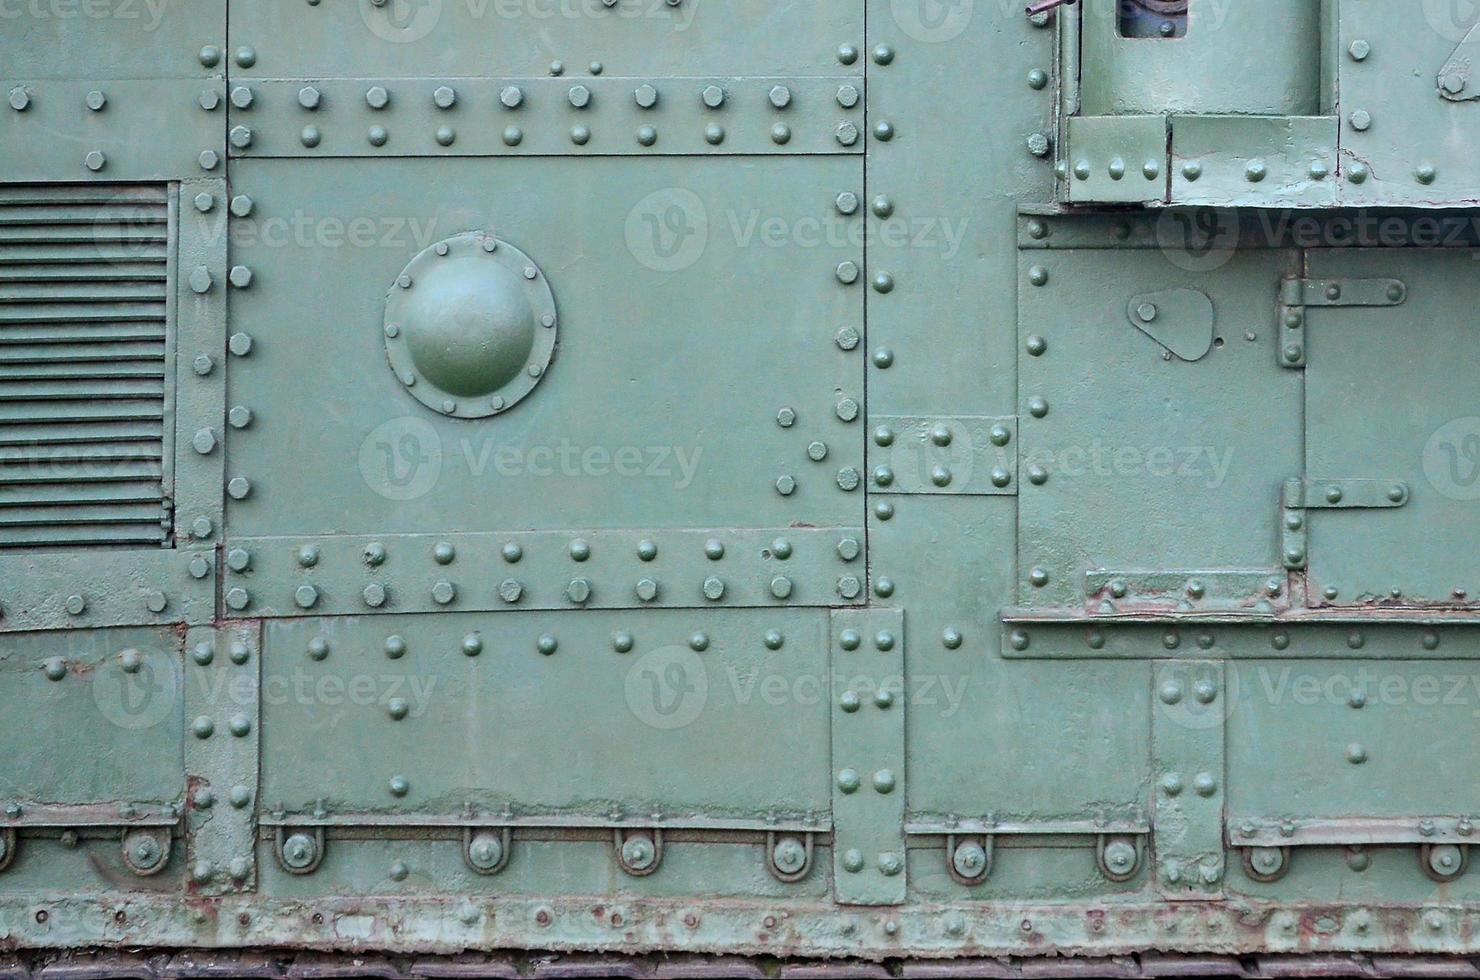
<point x="48" y="313"/>
<point x="128" y="350"/>
<point x="106" y="471"/>
<point x="79" y="494"/>
<point x="120" y="270"/>
<point x="89" y="251"/>
<point x="54" y="515"/>
<point x="79" y="370"/>
<point x="12" y="391"/>
<point x="71" y="332"/>
<point x="124" y="534"/>
<point x="1029" y="828"/>
<point x="77" y="291"/>
<point x="1347" y="831"/>
<point x="26" y="432"/>
<point x="1366" y="639"/>
<point x="819" y="824"/>
<point x="578" y="569"/>
<point x="33" y="195"/>
<point x="81" y="453"/>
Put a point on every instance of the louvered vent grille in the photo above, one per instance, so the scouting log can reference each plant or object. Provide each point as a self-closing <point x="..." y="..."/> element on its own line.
<point x="84" y="304"/>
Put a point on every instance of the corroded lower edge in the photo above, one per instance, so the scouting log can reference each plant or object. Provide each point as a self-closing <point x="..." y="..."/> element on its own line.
<point x="268" y="965"/>
<point x="739" y="927"/>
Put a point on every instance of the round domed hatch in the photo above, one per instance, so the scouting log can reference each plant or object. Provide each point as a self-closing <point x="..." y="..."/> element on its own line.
<point x="470" y="326"/>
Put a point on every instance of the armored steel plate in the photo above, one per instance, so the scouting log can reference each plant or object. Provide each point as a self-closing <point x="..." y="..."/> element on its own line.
<point x="677" y="487"/>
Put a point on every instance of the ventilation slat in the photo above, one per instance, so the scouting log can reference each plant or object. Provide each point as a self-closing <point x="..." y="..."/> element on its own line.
<point x="51" y="274"/>
<point x="96" y="471"/>
<point x="43" y="494"/>
<point x="100" y="370"/>
<point x="133" y="388"/>
<point x="80" y="333"/>
<point x="94" y="252"/>
<point x="72" y="433"/>
<point x="84" y="297"/>
<point x="55" y="535"/>
<point x="120" y="350"/>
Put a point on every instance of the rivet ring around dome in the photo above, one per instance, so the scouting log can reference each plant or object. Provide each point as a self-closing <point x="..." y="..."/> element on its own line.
<point x="470" y="326"/>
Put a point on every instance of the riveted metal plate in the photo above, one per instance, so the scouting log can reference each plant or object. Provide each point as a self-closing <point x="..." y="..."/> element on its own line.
<point x="1116" y="159"/>
<point x="120" y="689"/>
<point x="1241" y="636"/>
<point x="588" y="116"/>
<point x="1122" y="454"/>
<point x="222" y="714"/>
<point x="1188" y="709"/>
<point x="921" y="454"/>
<point x="1423" y="452"/>
<point x="1254" y="161"/>
<point x="695" y="568"/>
<point x="379" y="696"/>
<point x="868" y="757"/>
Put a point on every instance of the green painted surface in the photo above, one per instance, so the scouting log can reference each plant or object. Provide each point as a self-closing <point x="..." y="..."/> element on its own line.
<point x="875" y="478"/>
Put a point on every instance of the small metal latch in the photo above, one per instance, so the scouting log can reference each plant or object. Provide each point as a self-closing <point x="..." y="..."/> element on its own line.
<point x="1180" y="320"/>
<point x="1456" y="76"/>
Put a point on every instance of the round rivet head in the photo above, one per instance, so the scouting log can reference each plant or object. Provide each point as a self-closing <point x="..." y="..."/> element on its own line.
<point x="374" y="595"/>
<point x="377" y="135"/>
<point x="1356" y="754"/>
<point x="884" y="781"/>
<point x="55" y="669"/>
<point x="1255" y="171"/>
<point x="547" y="644"/>
<point x="848" y="780"/>
<point x="1205" y="784"/>
<point x="883" y="54"/>
<point x="246" y="57"/>
<point x="210" y="56"/>
<point x="781" y="134"/>
<point x="1361" y="120"/>
<point x="203" y="727"/>
<point x="399" y="785"/>
<point x="647" y="135"/>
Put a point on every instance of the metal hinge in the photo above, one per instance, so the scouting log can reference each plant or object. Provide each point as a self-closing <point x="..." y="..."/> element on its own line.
<point x="1297" y="294"/>
<point x="1311" y="494"/>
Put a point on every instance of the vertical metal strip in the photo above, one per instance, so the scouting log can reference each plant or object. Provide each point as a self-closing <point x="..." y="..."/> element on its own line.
<point x="222" y="684"/>
<point x="868" y="756"/>
<point x="200" y="389"/>
<point x="1189" y="710"/>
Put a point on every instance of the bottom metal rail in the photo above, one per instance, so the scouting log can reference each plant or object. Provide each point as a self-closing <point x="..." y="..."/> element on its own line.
<point x="275" y="964"/>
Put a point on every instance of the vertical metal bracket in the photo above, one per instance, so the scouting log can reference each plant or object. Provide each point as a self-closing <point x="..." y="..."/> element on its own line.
<point x="1293" y="534"/>
<point x="1189" y="704"/>
<point x="222" y="685"/>
<point x="868" y="777"/>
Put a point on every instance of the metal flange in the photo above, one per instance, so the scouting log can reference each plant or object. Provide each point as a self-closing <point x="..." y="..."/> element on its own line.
<point x="969" y="858"/>
<point x="299" y="852"/>
<point x="147" y="851"/>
